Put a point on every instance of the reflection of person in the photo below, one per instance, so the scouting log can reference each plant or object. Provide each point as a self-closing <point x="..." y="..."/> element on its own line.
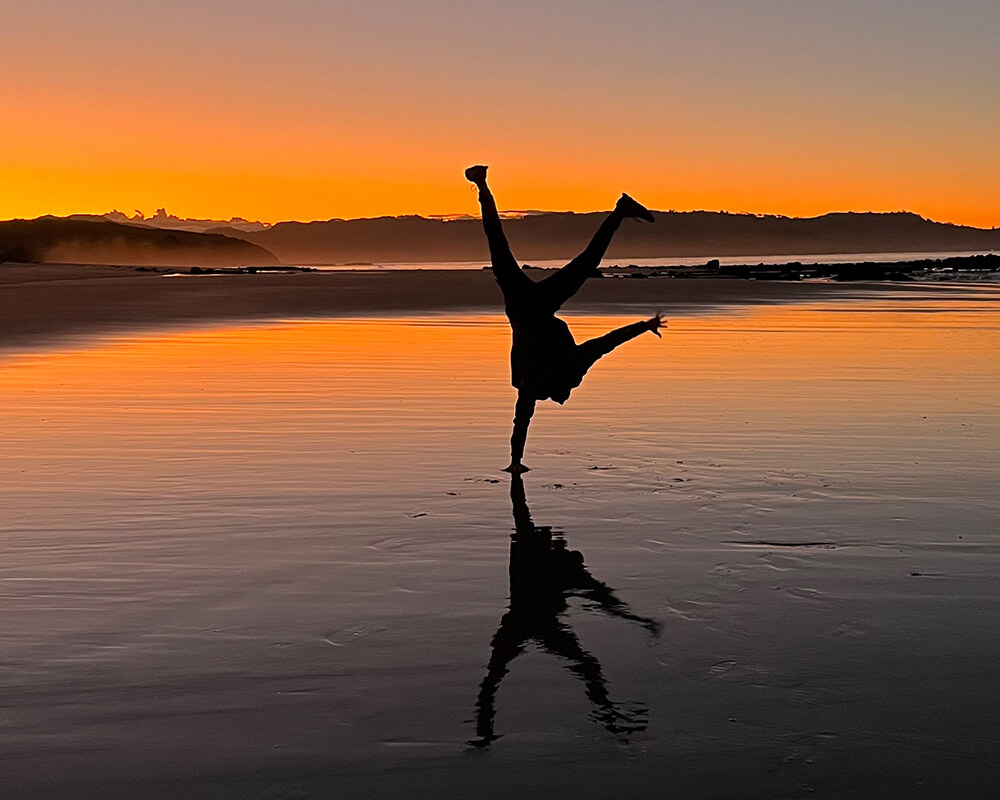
<point x="544" y="573"/>
<point x="545" y="361"/>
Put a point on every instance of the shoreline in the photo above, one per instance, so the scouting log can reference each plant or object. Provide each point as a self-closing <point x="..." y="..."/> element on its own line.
<point x="968" y="268"/>
<point x="42" y="302"/>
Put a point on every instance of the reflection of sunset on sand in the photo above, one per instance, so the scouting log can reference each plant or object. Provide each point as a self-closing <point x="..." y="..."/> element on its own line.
<point x="246" y="534"/>
<point x="44" y="301"/>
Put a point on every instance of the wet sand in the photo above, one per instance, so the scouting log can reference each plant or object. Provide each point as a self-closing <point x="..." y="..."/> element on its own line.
<point x="265" y="558"/>
<point x="44" y="301"/>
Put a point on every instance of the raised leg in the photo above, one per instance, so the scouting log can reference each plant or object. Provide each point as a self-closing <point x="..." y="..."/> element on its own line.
<point x="506" y="270"/>
<point x="508" y="644"/>
<point x="616" y="718"/>
<point x="566" y="282"/>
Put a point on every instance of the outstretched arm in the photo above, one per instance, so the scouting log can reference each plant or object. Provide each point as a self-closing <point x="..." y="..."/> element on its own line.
<point x="608" y="602"/>
<point x="593" y="349"/>
<point x="523" y="412"/>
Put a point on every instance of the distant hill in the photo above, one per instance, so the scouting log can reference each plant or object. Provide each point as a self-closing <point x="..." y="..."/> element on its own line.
<point x="537" y="236"/>
<point x="100" y="241"/>
<point x="533" y="236"/>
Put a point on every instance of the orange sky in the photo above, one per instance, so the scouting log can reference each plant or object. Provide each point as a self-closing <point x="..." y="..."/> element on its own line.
<point x="314" y="110"/>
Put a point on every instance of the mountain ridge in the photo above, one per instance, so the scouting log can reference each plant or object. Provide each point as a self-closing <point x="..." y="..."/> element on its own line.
<point x="560" y="235"/>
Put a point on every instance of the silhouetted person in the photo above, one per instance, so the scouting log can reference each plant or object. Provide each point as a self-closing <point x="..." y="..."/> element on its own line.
<point x="545" y="360"/>
<point x="544" y="573"/>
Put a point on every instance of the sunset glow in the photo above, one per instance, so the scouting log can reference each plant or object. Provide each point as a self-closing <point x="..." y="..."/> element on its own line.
<point x="312" y="110"/>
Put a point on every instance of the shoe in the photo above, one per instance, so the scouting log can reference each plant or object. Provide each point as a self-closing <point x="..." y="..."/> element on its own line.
<point x="630" y="208"/>
<point x="476" y="174"/>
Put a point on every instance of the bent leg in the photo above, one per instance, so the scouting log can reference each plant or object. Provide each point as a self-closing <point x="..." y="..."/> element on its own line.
<point x="567" y="281"/>
<point x="617" y="718"/>
<point x="508" y="644"/>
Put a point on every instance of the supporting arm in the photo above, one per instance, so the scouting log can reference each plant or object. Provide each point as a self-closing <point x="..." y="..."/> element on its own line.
<point x="523" y="412"/>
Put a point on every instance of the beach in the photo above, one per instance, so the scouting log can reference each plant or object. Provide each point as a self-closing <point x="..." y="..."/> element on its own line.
<point x="258" y="543"/>
<point x="42" y="301"/>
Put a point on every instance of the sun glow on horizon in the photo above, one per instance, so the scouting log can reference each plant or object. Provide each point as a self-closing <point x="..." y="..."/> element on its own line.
<point x="291" y="115"/>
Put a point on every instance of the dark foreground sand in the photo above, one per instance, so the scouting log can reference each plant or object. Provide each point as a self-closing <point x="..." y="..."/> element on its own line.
<point x="276" y="562"/>
<point x="41" y="302"/>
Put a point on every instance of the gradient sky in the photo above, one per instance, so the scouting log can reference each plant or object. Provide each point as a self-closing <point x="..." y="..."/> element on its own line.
<point x="312" y="109"/>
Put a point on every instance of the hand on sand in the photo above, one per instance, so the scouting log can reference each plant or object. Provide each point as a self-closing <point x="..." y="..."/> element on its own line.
<point x="483" y="742"/>
<point x="476" y="174"/>
<point x="655" y="324"/>
<point x="516" y="468"/>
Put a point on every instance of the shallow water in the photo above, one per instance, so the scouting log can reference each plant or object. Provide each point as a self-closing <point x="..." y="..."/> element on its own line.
<point x="681" y="261"/>
<point x="269" y="561"/>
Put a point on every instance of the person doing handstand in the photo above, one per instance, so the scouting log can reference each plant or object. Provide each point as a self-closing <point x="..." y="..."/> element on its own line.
<point x="545" y="361"/>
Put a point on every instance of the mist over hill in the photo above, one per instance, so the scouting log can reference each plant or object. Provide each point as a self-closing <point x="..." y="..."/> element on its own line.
<point x="163" y="219"/>
<point x="537" y="236"/>
<point x="100" y="241"/>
